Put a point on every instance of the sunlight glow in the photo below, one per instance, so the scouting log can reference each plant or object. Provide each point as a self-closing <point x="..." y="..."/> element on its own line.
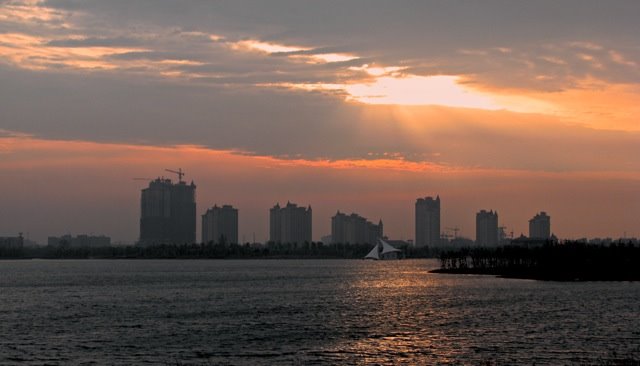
<point x="308" y="57"/>
<point x="266" y="47"/>
<point x="442" y="90"/>
<point x="182" y="62"/>
<point x="389" y="85"/>
<point x="334" y="57"/>
<point x="378" y="70"/>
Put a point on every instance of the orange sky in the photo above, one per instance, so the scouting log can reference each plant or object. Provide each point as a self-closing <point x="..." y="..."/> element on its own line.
<point x="85" y="185"/>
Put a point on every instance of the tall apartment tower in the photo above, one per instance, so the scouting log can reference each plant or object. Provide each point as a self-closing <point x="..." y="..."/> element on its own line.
<point x="428" y="221"/>
<point x="354" y="229"/>
<point x="220" y="224"/>
<point x="487" y="228"/>
<point x="168" y="213"/>
<point x="290" y="224"/>
<point x="540" y="226"/>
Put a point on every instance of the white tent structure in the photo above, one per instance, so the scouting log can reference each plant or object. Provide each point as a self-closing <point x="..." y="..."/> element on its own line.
<point x="383" y="250"/>
<point x="373" y="254"/>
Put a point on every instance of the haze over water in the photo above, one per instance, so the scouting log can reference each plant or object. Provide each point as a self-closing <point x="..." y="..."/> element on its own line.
<point x="263" y="312"/>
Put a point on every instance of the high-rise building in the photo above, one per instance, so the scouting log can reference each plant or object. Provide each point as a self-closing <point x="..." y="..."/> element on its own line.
<point x="427" y="221"/>
<point x="540" y="226"/>
<point x="168" y="213"/>
<point x="354" y="229"/>
<point x="487" y="228"/>
<point x="290" y="224"/>
<point x="220" y="224"/>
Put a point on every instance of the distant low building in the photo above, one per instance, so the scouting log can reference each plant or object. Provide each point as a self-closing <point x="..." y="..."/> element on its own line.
<point x="220" y="224"/>
<point x="399" y="243"/>
<point x="11" y="242"/>
<point x="80" y="241"/>
<point x="11" y="246"/>
<point x="523" y="241"/>
<point x="460" y="242"/>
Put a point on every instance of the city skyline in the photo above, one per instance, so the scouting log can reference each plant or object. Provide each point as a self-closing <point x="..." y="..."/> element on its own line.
<point x="521" y="107"/>
<point x="251" y="182"/>
<point x="469" y="232"/>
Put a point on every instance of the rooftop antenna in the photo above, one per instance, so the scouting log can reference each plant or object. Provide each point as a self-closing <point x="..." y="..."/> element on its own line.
<point x="179" y="172"/>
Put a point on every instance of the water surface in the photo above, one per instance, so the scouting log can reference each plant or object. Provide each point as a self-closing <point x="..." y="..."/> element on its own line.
<point x="264" y="312"/>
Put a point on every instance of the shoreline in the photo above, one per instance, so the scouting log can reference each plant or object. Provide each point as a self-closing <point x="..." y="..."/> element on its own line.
<point x="204" y="258"/>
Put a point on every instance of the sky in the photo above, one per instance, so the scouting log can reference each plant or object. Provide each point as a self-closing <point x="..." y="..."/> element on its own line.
<point x="359" y="106"/>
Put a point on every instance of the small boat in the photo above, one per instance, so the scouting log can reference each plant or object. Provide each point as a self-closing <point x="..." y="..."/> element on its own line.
<point x="383" y="251"/>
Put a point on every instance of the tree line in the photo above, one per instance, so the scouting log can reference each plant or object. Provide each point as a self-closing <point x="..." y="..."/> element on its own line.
<point x="550" y="261"/>
<point x="211" y="250"/>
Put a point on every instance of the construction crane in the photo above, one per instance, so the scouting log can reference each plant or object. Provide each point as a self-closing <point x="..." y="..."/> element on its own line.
<point x="179" y="172"/>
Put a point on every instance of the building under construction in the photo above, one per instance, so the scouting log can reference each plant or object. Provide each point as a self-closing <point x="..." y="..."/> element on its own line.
<point x="168" y="212"/>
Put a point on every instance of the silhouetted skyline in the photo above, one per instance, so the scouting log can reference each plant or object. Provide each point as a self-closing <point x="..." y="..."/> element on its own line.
<point x="168" y="216"/>
<point x="513" y="106"/>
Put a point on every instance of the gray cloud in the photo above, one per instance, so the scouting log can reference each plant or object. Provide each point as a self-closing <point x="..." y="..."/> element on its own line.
<point x="301" y="125"/>
<point x="426" y="37"/>
<point x="414" y="29"/>
<point x="213" y="98"/>
<point x="97" y="42"/>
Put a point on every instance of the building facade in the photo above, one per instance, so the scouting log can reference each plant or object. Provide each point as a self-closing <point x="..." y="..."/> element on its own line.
<point x="220" y="224"/>
<point x="540" y="226"/>
<point x="427" y="222"/>
<point x="354" y="229"/>
<point x="290" y="224"/>
<point x="487" y="228"/>
<point x="168" y="213"/>
<point x="12" y="242"/>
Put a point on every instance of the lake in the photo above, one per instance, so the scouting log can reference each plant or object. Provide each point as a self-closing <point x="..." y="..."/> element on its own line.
<point x="307" y="312"/>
